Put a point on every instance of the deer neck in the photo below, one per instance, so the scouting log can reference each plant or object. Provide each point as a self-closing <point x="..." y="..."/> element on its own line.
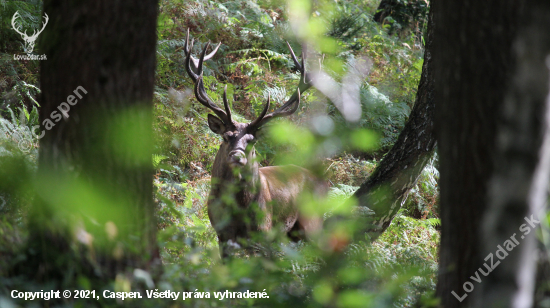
<point x="244" y="184"/>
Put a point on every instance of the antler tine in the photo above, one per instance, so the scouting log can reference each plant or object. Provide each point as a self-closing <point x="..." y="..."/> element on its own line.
<point x="298" y="65"/>
<point x="281" y="112"/>
<point x="200" y="93"/>
<point x="203" y="98"/>
<point x="226" y="103"/>
<point x="290" y="106"/>
<point x="213" y="52"/>
<point x="303" y="85"/>
<point x="256" y="123"/>
<point x="201" y="59"/>
<point x="190" y="71"/>
<point x="263" y="118"/>
<point x="195" y="62"/>
<point x="303" y="68"/>
<point x="186" y="48"/>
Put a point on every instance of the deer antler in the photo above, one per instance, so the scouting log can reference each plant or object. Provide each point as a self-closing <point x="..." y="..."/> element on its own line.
<point x="187" y="49"/>
<point x="15" y="16"/>
<point x="293" y="102"/>
<point x="44" y="23"/>
<point x="194" y="69"/>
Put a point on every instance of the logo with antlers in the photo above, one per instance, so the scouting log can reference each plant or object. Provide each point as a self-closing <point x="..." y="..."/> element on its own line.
<point x="29" y="40"/>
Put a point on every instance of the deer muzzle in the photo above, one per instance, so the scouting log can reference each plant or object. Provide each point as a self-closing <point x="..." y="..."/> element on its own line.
<point x="237" y="158"/>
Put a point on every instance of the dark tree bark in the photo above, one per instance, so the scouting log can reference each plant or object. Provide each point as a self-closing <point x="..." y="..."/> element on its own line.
<point x="518" y="189"/>
<point x="383" y="10"/>
<point x="95" y="179"/>
<point x="493" y="144"/>
<point x="386" y="190"/>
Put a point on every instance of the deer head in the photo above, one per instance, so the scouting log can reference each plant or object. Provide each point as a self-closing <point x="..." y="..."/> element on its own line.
<point x="238" y="138"/>
<point x="29" y="40"/>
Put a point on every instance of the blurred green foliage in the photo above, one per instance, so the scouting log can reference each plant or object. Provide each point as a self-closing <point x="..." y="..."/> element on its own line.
<point x="403" y="15"/>
<point x="253" y="61"/>
<point x="399" y="269"/>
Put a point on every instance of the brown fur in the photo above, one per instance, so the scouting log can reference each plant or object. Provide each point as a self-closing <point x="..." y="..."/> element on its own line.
<point x="264" y="198"/>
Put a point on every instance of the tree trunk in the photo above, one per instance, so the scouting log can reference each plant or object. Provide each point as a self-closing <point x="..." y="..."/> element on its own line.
<point x="383" y="10"/>
<point x="489" y="142"/>
<point x="517" y="191"/>
<point x="387" y="188"/>
<point x="95" y="174"/>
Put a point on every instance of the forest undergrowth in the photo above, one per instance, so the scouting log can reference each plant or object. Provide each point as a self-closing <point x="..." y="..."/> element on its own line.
<point x="399" y="269"/>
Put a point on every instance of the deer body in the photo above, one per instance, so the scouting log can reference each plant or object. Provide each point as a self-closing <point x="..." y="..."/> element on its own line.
<point x="245" y="198"/>
<point x="273" y="191"/>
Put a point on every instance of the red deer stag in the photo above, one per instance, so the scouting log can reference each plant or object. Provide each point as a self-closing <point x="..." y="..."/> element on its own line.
<point x="262" y="198"/>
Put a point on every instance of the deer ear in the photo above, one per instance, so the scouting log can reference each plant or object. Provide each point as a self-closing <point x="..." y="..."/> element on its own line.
<point x="216" y="125"/>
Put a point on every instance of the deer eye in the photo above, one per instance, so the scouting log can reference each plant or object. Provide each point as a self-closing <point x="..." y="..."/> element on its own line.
<point x="227" y="136"/>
